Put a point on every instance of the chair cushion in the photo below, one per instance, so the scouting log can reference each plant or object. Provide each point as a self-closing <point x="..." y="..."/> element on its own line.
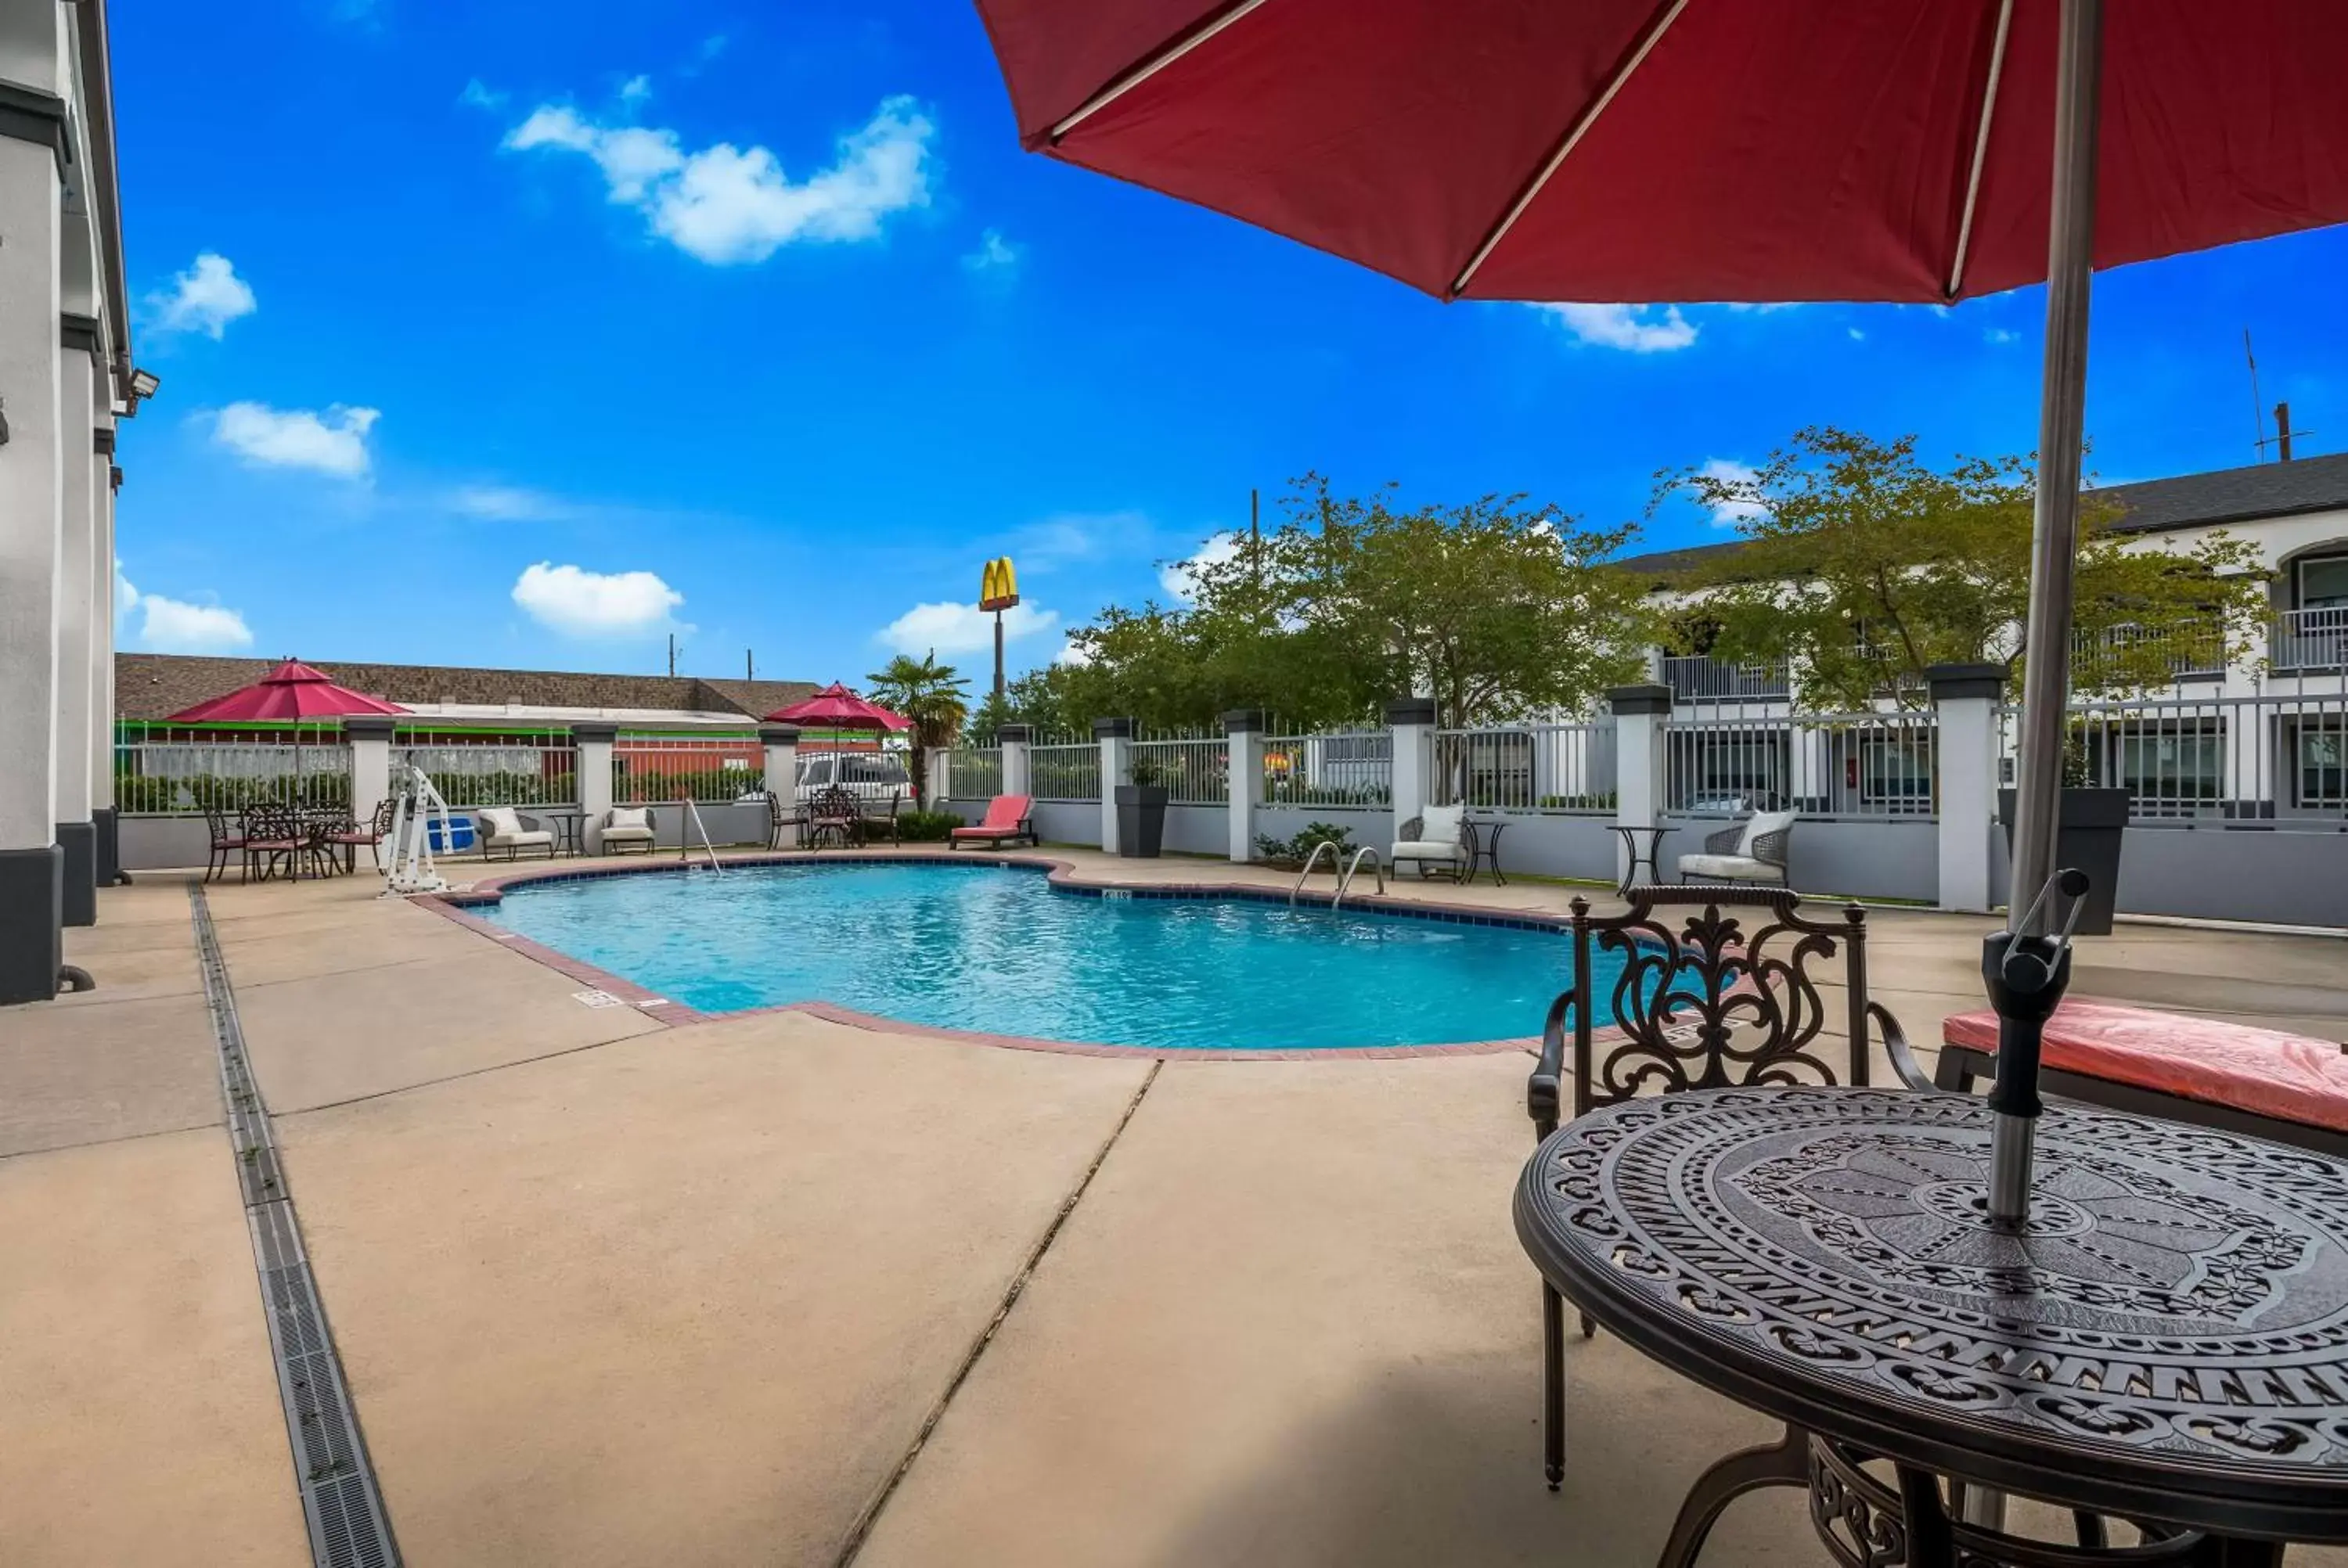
<point x="1424" y="849"/>
<point x="1761" y="822"/>
<point x="2290" y="1077"/>
<point x="501" y="820"/>
<point x="629" y="819"/>
<point x="1727" y="868"/>
<point x="530" y="839"/>
<point x="1440" y="823"/>
<point x="1009" y="831"/>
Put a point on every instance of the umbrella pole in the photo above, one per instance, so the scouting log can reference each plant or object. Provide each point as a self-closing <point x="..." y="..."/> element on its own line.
<point x="2054" y="551"/>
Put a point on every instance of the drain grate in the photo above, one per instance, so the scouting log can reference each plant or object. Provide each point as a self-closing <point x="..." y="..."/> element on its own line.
<point x="341" y="1503"/>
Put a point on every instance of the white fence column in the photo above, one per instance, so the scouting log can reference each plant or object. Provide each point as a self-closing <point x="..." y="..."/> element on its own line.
<point x="1116" y="738"/>
<point x="592" y="744"/>
<point x="369" y="735"/>
<point x="1018" y="777"/>
<point x="781" y="745"/>
<point x="939" y="787"/>
<point x="1412" y="719"/>
<point x="1244" y="777"/>
<point x="1965" y="699"/>
<point x="1640" y="777"/>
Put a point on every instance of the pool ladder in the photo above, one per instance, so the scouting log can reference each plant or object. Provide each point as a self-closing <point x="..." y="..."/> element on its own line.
<point x="1346" y="876"/>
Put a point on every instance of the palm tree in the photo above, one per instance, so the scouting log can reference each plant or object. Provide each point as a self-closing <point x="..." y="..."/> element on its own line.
<point x="931" y="695"/>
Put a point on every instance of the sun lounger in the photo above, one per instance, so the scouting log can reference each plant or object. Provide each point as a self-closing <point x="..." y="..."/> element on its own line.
<point x="1006" y="822"/>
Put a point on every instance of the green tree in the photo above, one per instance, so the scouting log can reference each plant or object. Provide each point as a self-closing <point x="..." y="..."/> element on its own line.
<point x="1864" y="566"/>
<point x="934" y="697"/>
<point x="1497" y="607"/>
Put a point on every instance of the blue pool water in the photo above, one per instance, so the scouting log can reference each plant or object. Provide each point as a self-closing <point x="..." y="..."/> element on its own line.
<point x="994" y="949"/>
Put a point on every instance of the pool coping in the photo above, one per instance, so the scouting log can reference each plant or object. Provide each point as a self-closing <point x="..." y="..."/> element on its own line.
<point x="1061" y="875"/>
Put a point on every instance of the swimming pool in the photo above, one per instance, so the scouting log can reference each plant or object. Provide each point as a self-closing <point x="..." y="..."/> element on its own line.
<point x="993" y="949"/>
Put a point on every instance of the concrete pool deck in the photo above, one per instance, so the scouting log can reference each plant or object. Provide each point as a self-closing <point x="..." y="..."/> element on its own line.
<point x="612" y="1292"/>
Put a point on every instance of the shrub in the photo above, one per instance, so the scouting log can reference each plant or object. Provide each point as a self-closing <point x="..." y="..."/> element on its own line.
<point x="926" y="826"/>
<point x="1301" y="847"/>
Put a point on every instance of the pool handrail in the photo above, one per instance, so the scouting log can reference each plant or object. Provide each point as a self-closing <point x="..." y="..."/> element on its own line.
<point x="1309" y="861"/>
<point x="1377" y="868"/>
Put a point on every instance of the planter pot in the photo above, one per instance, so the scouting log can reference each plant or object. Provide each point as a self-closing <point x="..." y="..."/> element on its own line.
<point x="2087" y="835"/>
<point x="1141" y="821"/>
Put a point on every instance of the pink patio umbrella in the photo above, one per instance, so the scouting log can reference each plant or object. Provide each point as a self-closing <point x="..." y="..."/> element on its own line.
<point x="1635" y="150"/>
<point x="292" y="692"/>
<point x="838" y="708"/>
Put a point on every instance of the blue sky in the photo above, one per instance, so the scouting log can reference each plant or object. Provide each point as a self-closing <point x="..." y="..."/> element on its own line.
<point x="528" y="334"/>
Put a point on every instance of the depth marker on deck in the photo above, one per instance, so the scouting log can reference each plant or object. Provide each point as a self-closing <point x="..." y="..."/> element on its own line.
<point x="342" y="1506"/>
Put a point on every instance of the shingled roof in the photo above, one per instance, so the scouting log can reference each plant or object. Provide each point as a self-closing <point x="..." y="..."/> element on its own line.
<point x="157" y="685"/>
<point x="2150" y="506"/>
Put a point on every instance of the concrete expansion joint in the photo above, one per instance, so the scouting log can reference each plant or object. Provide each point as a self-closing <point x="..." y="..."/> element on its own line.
<point x="861" y="1530"/>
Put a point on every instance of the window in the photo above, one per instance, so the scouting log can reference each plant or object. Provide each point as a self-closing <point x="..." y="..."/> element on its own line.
<point x="2323" y="583"/>
<point x="2322" y="748"/>
<point x="886" y="771"/>
<point x="816" y="770"/>
<point x="2169" y="768"/>
<point x="1895" y="774"/>
<point x="1729" y="770"/>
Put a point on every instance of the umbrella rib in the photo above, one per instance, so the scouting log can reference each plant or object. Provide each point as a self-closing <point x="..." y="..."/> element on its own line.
<point x="1666" y="14"/>
<point x="1165" y="56"/>
<point x="1981" y="147"/>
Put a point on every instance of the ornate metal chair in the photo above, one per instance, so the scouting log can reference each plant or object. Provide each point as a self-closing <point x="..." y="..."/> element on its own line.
<point x="1726" y="999"/>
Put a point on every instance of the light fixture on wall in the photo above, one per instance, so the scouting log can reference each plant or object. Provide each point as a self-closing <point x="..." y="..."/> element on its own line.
<point x="143" y="383"/>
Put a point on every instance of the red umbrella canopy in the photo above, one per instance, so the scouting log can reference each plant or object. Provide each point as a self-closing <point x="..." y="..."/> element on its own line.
<point x="841" y="709"/>
<point x="1691" y="149"/>
<point x="292" y="691"/>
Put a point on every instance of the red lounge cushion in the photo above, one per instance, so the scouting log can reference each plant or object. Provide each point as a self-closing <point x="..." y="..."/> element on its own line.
<point x="984" y="832"/>
<point x="2288" y="1077"/>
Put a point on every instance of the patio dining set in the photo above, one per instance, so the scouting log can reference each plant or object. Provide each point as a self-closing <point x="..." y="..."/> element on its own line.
<point x="268" y="839"/>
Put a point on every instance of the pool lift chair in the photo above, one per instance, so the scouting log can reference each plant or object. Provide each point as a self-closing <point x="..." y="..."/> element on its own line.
<point x="416" y="811"/>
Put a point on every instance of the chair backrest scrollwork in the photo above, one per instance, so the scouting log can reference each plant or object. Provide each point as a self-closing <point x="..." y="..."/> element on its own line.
<point x="1717" y="990"/>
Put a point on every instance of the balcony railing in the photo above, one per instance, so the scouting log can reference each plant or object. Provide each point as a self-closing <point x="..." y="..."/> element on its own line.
<point x="2309" y="640"/>
<point x="1700" y="677"/>
<point x="2192" y="653"/>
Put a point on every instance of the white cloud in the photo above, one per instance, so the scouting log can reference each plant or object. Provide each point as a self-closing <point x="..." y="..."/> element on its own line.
<point x="203" y="299"/>
<point x="951" y="628"/>
<point x="725" y="204"/>
<point x="994" y="254"/>
<point x="635" y="90"/>
<point x="1634" y="328"/>
<point x="479" y="94"/>
<point x="582" y="603"/>
<point x="2002" y="337"/>
<point x="1856" y="335"/>
<point x="331" y="443"/>
<point x="1728" y="470"/>
<point x="1071" y="654"/>
<point x="176" y="626"/>
<point x="509" y="504"/>
<point x="1176" y="577"/>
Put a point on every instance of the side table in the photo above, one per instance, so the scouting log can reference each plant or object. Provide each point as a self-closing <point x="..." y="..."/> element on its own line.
<point x="1630" y="836"/>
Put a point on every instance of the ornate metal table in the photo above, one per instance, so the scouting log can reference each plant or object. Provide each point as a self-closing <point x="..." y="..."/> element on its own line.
<point x="2166" y="1343"/>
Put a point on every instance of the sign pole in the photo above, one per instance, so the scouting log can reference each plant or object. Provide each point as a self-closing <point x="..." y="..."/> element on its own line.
<point x="998" y="590"/>
<point x="998" y="657"/>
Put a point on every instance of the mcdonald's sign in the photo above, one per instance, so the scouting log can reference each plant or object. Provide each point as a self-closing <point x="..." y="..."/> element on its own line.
<point x="998" y="585"/>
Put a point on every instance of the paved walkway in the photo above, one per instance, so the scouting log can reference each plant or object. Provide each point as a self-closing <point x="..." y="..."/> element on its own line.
<point x="609" y="1292"/>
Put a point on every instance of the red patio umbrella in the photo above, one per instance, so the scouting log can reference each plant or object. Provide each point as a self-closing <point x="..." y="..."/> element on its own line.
<point x="840" y="709"/>
<point x="294" y="692"/>
<point x="1619" y="150"/>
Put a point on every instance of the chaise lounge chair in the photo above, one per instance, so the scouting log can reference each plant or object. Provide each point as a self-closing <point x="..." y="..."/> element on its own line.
<point x="1007" y="822"/>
